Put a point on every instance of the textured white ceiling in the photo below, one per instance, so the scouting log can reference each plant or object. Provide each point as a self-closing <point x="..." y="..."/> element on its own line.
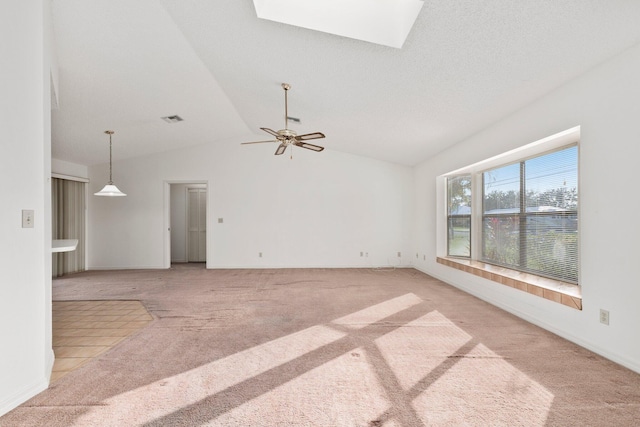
<point x="466" y="64"/>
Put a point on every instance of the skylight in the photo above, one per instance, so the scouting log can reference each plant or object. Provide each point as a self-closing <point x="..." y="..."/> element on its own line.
<point x="385" y="22"/>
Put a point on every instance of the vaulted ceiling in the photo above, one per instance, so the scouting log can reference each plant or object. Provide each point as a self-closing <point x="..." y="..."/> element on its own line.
<point x="125" y="64"/>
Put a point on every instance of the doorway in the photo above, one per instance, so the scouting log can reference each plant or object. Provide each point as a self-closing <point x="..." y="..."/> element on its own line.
<point x="196" y="224"/>
<point x="187" y="222"/>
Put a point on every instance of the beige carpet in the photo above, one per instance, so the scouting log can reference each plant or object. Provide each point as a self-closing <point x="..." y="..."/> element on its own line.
<point x="319" y="347"/>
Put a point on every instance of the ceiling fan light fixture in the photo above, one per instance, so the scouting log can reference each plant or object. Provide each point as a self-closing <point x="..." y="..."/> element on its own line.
<point x="110" y="190"/>
<point x="286" y="136"/>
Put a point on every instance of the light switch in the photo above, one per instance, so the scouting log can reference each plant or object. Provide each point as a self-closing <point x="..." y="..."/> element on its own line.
<point x="27" y="218"/>
<point x="220" y="220"/>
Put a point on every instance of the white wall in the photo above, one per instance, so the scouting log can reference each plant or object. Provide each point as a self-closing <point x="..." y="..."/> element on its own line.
<point x="317" y="210"/>
<point x="605" y="103"/>
<point x="26" y="357"/>
<point x="70" y="169"/>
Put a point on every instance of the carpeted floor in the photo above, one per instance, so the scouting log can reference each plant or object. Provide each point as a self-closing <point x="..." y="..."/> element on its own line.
<point x="320" y="347"/>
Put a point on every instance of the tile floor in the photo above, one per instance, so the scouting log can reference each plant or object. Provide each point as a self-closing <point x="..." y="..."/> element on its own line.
<point x="83" y="330"/>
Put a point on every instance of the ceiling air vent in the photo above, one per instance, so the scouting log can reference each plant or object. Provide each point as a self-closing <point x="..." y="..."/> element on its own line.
<point x="172" y="119"/>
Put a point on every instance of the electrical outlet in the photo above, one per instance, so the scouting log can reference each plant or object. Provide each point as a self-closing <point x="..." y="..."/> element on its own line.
<point x="361" y="253"/>
<point x="416" y="255"/>
<point x="604" y="317"/>
<point x="259" y="254"/>
<point x="399" y="254"/>
<point x="27" y="218"/>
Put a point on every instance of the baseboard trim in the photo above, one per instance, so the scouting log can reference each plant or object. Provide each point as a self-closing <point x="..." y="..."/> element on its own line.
<point x="257" y="267"/>
<point x="100" y="268"/>
<point x="23" y="395"/>
<point x="299" y="267"/>
<point x="51" y="358"/>
<point x="621" y="360"/>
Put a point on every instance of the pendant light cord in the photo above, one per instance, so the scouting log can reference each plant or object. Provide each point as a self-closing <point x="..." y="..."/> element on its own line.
<point x="110" y="172"/>
<point x="110" y="132"/>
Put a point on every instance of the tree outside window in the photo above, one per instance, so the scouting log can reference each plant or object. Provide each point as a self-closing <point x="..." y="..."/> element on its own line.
<point x="459" y="216"/>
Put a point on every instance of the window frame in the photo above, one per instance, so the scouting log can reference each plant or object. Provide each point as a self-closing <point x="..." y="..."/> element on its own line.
<point x="557" y="142"/>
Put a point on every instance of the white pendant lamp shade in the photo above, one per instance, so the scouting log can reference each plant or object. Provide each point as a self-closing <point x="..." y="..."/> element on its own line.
<point x="109" y="190"/>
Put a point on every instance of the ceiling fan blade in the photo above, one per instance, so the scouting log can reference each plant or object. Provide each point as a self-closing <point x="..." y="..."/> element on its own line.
<point x="308" y="136"/>
<point x="281" y="149"/>
<point x="271" y="131"/>
<point x="258" y="142"/>
<point x="308" y="146"/>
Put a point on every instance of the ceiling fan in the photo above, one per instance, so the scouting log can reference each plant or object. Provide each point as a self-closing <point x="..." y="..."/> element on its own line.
<point x="287" y="136"/>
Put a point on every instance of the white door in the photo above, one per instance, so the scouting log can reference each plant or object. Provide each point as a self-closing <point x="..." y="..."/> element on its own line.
<point x="196" y="224"/>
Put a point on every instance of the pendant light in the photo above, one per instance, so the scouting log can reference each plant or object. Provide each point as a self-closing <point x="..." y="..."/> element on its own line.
<point x="109" y="190"/>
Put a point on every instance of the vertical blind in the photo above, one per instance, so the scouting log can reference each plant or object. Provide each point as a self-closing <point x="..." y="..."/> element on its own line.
<point x="68" y="217"/>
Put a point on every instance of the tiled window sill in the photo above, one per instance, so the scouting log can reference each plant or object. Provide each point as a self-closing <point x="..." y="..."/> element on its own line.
<point x="554" y="290"/>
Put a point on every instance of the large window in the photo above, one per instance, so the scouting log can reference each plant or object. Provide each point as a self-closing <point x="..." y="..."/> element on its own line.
<point x="530" y="215"/>
<point x="527" y="218"/>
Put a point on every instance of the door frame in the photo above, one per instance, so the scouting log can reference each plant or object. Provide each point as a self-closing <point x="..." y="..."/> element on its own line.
<point x="167" y="219"/>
